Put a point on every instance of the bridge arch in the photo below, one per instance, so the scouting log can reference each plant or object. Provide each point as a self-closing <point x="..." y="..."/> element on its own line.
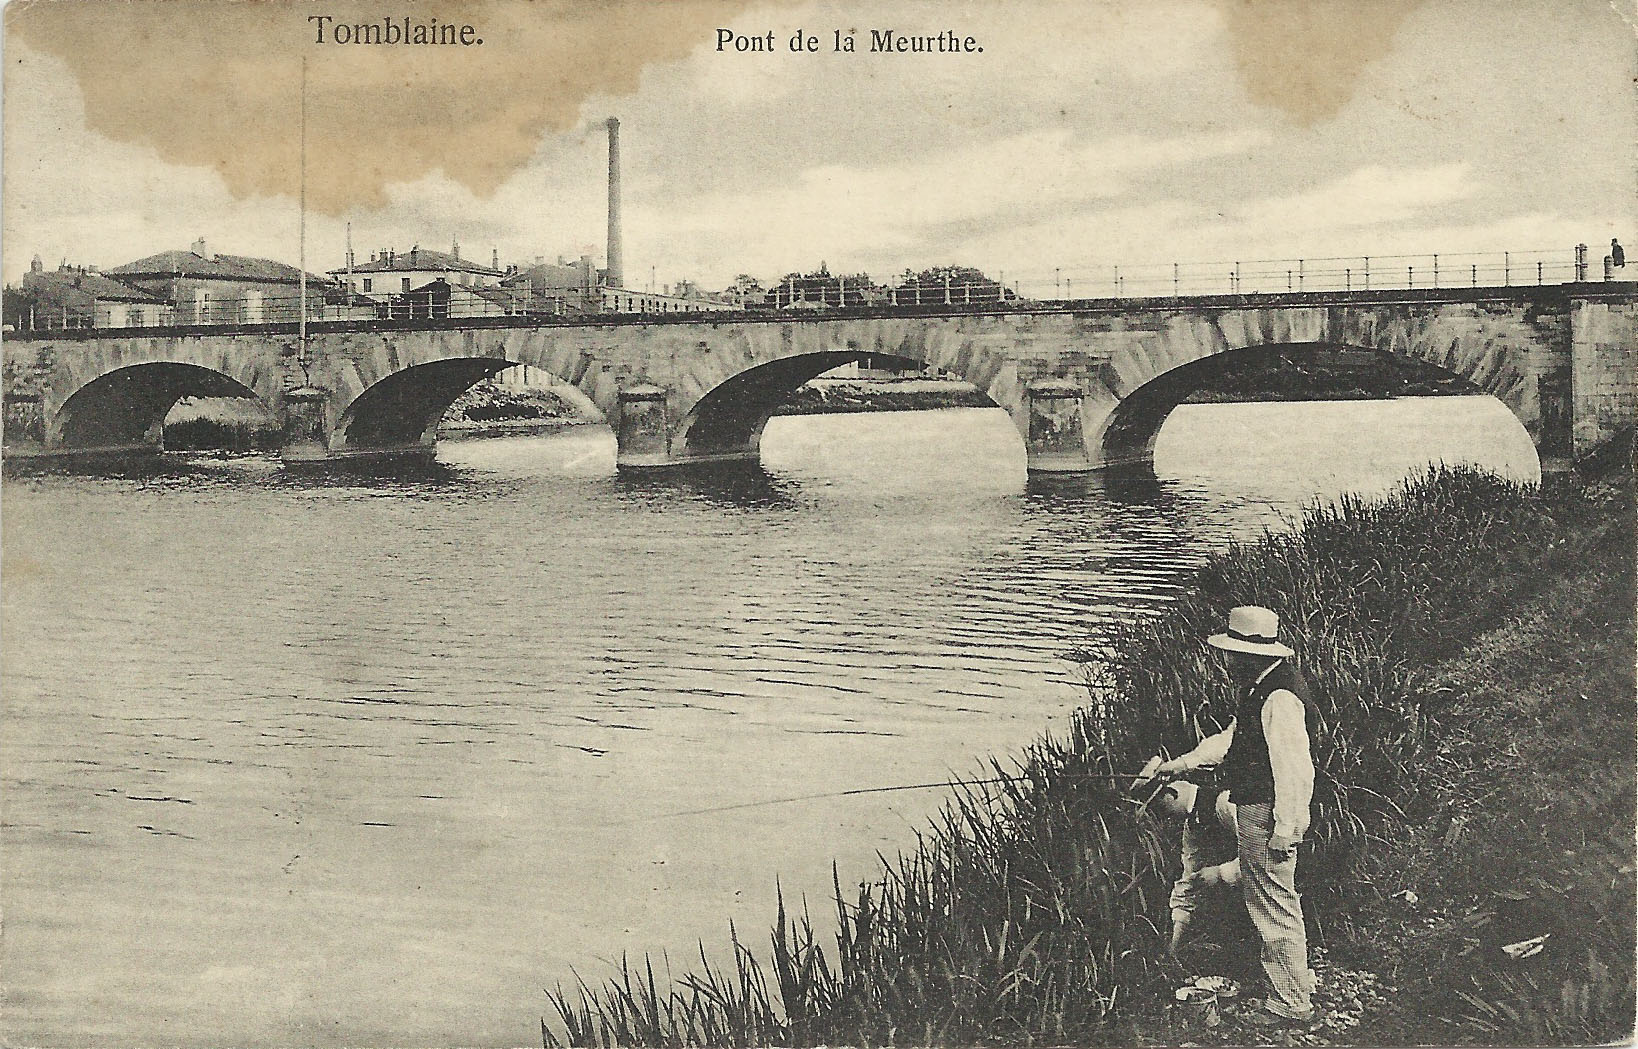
<point x="722" y="394"/>
<point x="402" y="410"/>
<point x="727" y="422"/>
<point x="385" y="392"/>
<point x="1142" y="383"/>
<point x="1129" y="432"/>
<point x="124" y="408"/>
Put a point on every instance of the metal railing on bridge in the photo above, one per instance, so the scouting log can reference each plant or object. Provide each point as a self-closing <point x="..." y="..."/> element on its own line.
<point x="1328" y="273"/>
<point x="1176" y="280"/>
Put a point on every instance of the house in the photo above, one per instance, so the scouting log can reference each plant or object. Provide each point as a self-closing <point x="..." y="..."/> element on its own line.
<point x="566" y="288"/>
<point x="82" y="297"/>
<point x="441" y="299"/>
<point x="390" y="272"/>
<point x="203" y="287"/>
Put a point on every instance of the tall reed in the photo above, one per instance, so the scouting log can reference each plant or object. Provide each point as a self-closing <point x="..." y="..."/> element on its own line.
<point x="1030" y="910"/>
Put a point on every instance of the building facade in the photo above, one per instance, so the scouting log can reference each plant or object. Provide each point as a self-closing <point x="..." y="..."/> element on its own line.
<point x="203" y="287"/>
<point x="390" y="273"/>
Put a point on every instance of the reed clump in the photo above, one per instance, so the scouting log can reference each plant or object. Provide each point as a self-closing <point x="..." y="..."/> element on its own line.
<point x="1033" y="909"/>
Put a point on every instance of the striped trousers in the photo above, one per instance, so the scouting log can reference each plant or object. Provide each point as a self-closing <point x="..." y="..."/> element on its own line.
<point x="1270" y="891"/>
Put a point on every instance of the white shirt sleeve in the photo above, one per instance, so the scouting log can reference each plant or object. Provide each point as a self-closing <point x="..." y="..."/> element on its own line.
<point x="1209" y="753"/>
<point x="1287" y="733"/>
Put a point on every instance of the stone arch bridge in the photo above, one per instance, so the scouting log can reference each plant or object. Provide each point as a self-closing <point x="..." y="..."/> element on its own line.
<point x="1088" y="384"/>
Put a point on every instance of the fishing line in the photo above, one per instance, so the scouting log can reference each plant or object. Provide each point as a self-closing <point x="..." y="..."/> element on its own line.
<point x="1098" y="776"/>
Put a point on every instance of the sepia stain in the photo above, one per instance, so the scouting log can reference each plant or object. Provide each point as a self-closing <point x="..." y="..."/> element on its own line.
<point x="1304" y="57"/>
<point x="16" y="566"/>
<point x="217" y="83"/>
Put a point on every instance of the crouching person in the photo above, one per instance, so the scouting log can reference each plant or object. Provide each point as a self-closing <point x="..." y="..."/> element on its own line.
<point x="1209" y="848"/>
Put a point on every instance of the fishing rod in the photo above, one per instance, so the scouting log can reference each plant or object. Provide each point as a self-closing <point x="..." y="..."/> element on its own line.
<point x="1096" y="776"/>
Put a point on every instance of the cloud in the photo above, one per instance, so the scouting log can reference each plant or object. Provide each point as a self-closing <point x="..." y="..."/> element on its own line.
<point x="840" y="212"/>
<point x="1371" y="196"/>
<point x="226" y="93"/>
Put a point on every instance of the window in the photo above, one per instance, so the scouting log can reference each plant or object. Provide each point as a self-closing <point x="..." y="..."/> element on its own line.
<point x="367" y="283"/>
<point x="406" y="285"/>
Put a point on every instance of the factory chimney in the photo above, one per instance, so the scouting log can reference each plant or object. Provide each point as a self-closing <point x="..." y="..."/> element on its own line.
<point x="616" y="272"/>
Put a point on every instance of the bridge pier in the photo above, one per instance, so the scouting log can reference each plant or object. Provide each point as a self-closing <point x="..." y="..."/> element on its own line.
<point x="306" y="437"/>
<point x="642" y="428"/>
<point x="310" y="442"/>
<point x="25" y="422"/>
<point x="1054" y="429"/>
<point x="647" y="439"/>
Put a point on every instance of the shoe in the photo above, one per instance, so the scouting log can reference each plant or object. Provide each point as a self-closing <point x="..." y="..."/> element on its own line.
<point x="1259" y="1015"/>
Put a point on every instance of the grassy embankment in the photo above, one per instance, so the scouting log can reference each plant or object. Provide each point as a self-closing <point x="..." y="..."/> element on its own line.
<point x="1471" y="642"/>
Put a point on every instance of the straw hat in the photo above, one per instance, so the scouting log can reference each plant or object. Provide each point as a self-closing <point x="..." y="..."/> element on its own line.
<point x="1253" y="630"/>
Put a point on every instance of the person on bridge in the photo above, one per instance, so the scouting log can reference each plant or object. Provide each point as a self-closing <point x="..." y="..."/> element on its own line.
<point x="1618" y="258"/>
<point x="1266" y="766"/>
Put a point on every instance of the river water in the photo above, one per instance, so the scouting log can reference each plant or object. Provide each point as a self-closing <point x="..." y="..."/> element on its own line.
<point x="369" y="761"/>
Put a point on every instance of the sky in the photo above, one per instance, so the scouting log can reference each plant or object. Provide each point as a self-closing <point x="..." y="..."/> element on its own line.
<point x="1083" y="136"/>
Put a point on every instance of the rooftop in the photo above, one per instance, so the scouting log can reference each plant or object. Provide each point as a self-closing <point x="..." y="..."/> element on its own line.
<point x="419" y="258"/>
<point x="193" y="264"/>
<point x="94" y="285"/>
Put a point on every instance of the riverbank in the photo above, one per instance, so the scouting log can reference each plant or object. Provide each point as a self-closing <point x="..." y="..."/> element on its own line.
<point x="823" y="396"/>
<point x="1517" y="823"/>
<point x="1034" y="910"/>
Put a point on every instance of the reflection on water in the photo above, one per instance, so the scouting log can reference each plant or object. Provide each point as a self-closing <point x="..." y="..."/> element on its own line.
<point x="363" y="759"/>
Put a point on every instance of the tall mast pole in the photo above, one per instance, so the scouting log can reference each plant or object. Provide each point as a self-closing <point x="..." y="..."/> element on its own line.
<point x="301" y="249"/>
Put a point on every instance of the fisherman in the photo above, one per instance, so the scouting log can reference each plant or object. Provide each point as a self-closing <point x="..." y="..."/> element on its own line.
<point x="1267" y="769"/>
<point x="1208" y="818"/>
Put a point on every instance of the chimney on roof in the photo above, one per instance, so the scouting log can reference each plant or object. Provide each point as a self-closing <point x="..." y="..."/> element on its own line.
<point x="455" y="247"/>
<point x="616" y="276"/>
<point x="36" y="265"/>
<point x="372" y="256"/>
<point x="494" y="258"/>
<point x="202" y="251"/>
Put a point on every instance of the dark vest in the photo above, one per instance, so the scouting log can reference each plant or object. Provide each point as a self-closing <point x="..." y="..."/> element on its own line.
<point x="1246" y="772"/>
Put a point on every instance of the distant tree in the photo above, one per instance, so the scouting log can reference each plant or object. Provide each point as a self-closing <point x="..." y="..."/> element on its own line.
<point x="18" y="308"/>
<point x="964" y="284"/>
<point x="823" y="288"/>
<point x="746" y="291"/>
